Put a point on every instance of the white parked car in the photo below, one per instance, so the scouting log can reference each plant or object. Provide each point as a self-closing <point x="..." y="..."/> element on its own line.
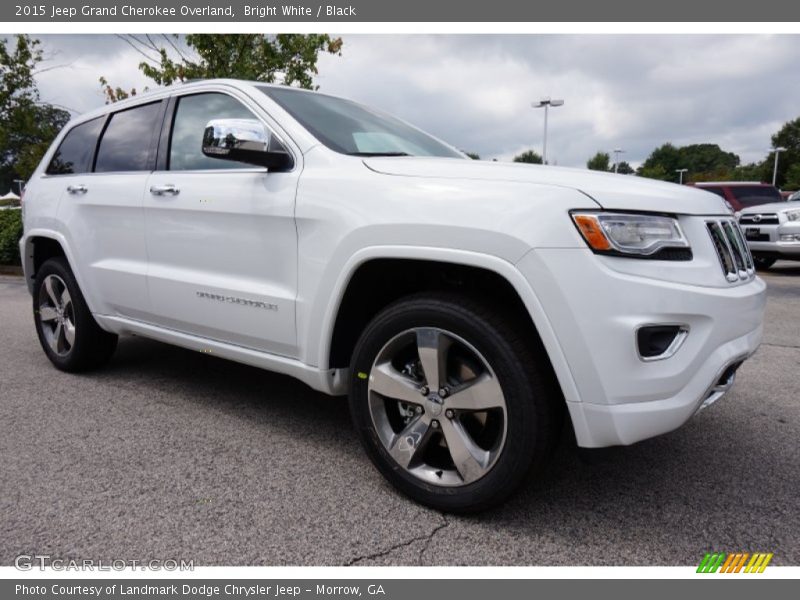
<point x="464" y="306"/>
<point x="772" y="231"/>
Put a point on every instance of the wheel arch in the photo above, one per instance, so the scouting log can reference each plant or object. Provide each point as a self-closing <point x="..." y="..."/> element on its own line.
<point x="336" y="343"/>
<point x="37" y="246"/>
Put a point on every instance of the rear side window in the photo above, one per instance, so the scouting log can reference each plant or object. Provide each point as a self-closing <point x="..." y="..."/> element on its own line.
<point x="753" y="195"/>
<point x="74" y="154"/>
<point x="127" y="142"/>
<point x="191" y="117"/>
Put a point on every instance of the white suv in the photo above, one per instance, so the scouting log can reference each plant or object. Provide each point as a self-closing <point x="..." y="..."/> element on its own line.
<point x="463" y="305"/>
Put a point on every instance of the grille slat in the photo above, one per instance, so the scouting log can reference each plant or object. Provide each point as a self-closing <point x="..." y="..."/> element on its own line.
<point x="732" y="251"/>
<point x="759" y="219"/>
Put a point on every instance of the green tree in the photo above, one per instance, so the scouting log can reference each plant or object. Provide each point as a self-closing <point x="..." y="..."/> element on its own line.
<point x="27" y="125"/>
<point x="703" y="161"/>
<point x="625" y="168"/>
<point x="288" y="57"/>
<point x="529" y="156"/>
<point x="792" y="181"/>
<point x="473" y="155"/>
<point x="599" y="162"/>
<point x="787" y="137"/>
<point x="655" y="172"/>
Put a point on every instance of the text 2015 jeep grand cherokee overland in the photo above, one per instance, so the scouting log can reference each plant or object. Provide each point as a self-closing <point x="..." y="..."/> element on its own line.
<point x="463" y="305"/>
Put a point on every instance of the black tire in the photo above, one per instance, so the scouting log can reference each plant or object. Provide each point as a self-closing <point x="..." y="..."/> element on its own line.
<point x="91" y="346"/>
<point x="533" y="406"/>
<point x="763" y="263"/>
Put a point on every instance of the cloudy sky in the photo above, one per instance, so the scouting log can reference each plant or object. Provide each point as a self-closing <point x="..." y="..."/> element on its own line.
<point x="633" y="92"/>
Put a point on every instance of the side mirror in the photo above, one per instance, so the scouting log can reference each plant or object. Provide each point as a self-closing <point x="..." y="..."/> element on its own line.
<point x="247" y="141"/>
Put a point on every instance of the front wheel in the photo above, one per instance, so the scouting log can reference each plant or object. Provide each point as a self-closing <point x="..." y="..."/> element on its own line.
<point x="450" y="401"/>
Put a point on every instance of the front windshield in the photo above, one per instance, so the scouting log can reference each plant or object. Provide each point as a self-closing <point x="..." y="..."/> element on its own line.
<point x="350" y="128"/>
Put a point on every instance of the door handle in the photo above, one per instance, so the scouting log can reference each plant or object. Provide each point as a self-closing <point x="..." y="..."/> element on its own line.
<point x="164" y="190"/>
<point x="77" y="189"/>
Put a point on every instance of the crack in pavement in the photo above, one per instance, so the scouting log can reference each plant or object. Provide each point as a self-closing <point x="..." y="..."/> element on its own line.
<point x="420" y="538"/>
<point x="428" y="541"/>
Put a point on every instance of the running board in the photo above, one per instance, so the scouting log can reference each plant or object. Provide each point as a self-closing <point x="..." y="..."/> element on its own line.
<point x="330" y="381"/>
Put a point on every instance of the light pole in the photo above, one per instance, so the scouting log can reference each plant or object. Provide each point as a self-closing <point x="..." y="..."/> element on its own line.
<point x="617" y="152"/>
<point x="680" y="173"/>
<point x="778" y="151"/>
<point x="546" y="103"/>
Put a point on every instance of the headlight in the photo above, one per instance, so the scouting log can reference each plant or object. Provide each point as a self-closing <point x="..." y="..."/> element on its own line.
<point x="792" y="215"/>
<point x="642" y="236"/>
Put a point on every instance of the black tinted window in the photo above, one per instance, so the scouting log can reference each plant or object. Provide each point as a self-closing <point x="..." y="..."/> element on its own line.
<point x="191" y="117"/>
<point x="74" y="154"/>
<point x="126" y="143"/>
<point x="714" y="190"/>
<point x="753" y="195"/>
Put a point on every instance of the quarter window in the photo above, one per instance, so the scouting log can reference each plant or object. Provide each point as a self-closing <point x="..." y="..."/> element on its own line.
<point x="127" y="141"/>
<point x="191" y="117"/>
<point x="74" y="154"/>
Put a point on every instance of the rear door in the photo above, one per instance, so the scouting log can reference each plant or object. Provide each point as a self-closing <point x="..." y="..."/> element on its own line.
<point x="102" y="209"/>
<point x="221" y="236"/>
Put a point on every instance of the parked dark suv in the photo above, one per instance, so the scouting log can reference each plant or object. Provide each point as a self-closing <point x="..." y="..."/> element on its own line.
<point x="742" y="194"/>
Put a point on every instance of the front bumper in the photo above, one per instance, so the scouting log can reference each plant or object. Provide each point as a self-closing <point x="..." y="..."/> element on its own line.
<point x="595" y="307"/>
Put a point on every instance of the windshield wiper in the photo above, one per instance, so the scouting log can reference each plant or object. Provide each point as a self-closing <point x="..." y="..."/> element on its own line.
<point x="378" y="154"/>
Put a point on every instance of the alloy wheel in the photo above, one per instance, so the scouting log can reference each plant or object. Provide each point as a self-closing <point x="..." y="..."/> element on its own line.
<point x="437" y="406"/>
<point x="56" y="315"/>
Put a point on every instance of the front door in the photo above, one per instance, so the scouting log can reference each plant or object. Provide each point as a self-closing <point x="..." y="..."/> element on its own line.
<point x="221" y="238"/>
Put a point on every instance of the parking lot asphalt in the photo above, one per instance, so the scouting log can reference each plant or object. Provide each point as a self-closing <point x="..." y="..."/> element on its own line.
<point x="172" y="454"/>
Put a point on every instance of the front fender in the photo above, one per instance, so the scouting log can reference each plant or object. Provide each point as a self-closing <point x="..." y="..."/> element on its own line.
<point x="319" y="330"/>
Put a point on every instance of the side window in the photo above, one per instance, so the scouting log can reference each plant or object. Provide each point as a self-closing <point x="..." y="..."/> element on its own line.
<point x="74" y="154"/>
<point x="127" y="140"/>
<point x="191" y="117"/>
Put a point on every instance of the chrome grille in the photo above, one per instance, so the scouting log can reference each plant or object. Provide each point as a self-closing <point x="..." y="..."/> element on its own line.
<point x="732" y="251"/>
<point x="759" y="219"/>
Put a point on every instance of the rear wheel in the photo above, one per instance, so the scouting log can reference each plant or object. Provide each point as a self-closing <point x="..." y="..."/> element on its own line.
<point x="67" y="331"/>
<point x="451" y="404"/>
<point x="763" y="263"/>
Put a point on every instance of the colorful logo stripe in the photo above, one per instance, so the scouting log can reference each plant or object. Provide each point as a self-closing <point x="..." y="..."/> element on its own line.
<point x="734" y="562"/>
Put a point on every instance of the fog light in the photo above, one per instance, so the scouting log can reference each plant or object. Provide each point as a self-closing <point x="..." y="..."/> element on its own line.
<point x="657" y="342"/>
<point x="790" y="237"/>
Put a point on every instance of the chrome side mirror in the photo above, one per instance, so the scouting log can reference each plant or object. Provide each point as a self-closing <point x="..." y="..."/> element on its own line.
<point x="247" y="141"/>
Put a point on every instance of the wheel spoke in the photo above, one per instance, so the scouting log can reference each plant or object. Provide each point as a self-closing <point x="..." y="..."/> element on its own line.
<point x="433" y="346"/>
<point x="481" y="393"/>
<point x="50" y="288"/>
<point x="411" y="441"/>
<point x="47" y="313"/>
<point x="389" y="382"/>
<point x="69" y="332"/>
<point x="55" y="341"/>
<point x="470" y="460"/>
<point x="65" y="298"/>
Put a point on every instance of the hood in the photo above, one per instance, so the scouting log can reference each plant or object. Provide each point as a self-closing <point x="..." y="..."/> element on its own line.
<point x="610" y="191"/>
<point x="772" y="207"/>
